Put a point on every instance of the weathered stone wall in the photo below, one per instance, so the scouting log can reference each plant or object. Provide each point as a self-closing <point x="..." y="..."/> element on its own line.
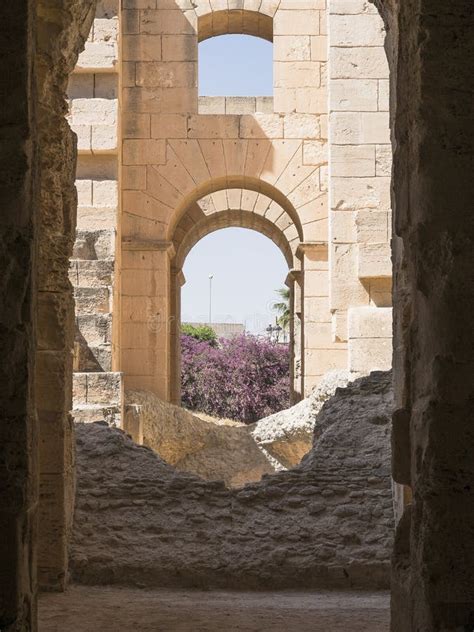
<point x="434" y="298"/>
<point x="328" y="522"/>
<point x="60" y="37"/>
<point x="19" y="205"/>
<point x="190" y="444"/>
<point x="38" y="218"/>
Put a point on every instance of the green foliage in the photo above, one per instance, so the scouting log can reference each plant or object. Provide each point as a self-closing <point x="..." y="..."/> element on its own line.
<point x="203" y="333"/>
<point x="283" y="308"/>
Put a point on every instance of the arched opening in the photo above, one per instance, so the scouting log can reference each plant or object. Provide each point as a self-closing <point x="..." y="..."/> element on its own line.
<point x="232" y="278"/>
<point x="216" y="23"/>
<point x="236" y="208"/>
<point x="235" y="62"/>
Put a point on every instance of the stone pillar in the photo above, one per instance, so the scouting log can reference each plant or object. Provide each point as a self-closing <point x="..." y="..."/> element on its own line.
<point x="177" y="282"/>
<point x="433" y="307"/>
<point x="146" y="316"/>
<point x="321" y="354"/>
<point x="293" y="281"/>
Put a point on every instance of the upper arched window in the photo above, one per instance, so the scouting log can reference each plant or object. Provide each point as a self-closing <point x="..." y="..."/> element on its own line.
<point x="235" y="60"/>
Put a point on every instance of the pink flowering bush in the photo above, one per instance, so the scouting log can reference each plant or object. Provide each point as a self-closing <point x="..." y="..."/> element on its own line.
<point x="244" y="377"/>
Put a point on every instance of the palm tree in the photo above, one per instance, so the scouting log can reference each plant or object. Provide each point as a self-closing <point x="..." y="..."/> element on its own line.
<point x="283" y="308"/>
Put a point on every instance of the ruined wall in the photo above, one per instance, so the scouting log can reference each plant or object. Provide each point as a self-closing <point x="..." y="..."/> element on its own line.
<point x="434" y="351"/>
<point x="328" y="522"/>
<point x="190" y="444"/>
<point x="61" y="35"/>
<point x="38" y="217"/>
<point x="233" y="452"/>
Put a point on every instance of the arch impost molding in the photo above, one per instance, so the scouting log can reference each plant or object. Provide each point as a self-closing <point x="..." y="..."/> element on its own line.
<point x="317" y="249"/>
<point x="293" y="275"/>
<point x="179" y="276"/>
<point x="143" y="245"/>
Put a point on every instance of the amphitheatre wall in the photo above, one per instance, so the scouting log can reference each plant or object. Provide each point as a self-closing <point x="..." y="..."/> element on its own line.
<point x="308" y="167"/>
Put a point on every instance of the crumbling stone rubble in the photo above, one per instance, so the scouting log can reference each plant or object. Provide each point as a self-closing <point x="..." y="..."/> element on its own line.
<point x="326" y="523"/>
<point x="236" y="454"/>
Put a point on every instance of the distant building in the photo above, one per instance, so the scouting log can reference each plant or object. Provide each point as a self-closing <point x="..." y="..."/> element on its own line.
<point x="224" y="330"/>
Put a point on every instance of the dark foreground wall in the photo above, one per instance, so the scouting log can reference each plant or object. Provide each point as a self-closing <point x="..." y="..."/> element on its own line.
<point x="18" y="203"/>
<point x="329" y="522"/>
<point x="433" y="124"/>
<point x="39" y="44"/>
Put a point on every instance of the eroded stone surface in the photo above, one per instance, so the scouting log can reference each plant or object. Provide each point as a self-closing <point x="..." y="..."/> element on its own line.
<point x="190" y="444"/>
<point x="287" y="436"/>
<point x="328" y="522"/>
<point x="236" y="454"/>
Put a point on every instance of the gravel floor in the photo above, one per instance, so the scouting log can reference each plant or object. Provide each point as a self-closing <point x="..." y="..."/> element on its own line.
<point x="107" y="609"/>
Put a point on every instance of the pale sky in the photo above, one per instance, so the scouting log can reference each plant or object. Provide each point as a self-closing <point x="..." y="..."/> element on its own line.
<point x="235" y="66"/>
<point x="246" y="265"/>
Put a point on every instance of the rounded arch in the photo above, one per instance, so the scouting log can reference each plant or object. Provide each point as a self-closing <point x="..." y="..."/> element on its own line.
<point x="235" y="21"/>
<point x="197" y="223"/>
<point x="230" y="219"/>
<point x="237" y="182"/>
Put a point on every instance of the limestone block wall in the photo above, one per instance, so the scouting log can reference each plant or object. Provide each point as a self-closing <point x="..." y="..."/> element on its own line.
<point x="95" y="265"/>
<point x="178" y="149"/>
<point x="235" y="105"/>
<point x="360" y="158"/>
<point x="178" y="166"/>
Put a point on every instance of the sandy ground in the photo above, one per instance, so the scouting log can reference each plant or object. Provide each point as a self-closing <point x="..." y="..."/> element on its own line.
<point x="107" y="609"/>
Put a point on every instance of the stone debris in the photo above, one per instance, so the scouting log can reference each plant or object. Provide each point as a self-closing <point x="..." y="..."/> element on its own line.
<point x="190" y="444"/>
<point x="288" y="435"/>
<point x="235" y="454"/>
<point x="326" y="523"/>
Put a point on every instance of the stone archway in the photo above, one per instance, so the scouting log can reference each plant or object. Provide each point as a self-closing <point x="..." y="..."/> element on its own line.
<point x="236" y="21"/>
<point x="201" y="219"/>
<point x="173" y="156"/>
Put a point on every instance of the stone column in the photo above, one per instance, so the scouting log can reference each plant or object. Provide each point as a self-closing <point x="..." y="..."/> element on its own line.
<point x="293" y="281"/>
<point x="321" y="354"/>
<point x="146" y="315"/>
<point x="177" y="282"/>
